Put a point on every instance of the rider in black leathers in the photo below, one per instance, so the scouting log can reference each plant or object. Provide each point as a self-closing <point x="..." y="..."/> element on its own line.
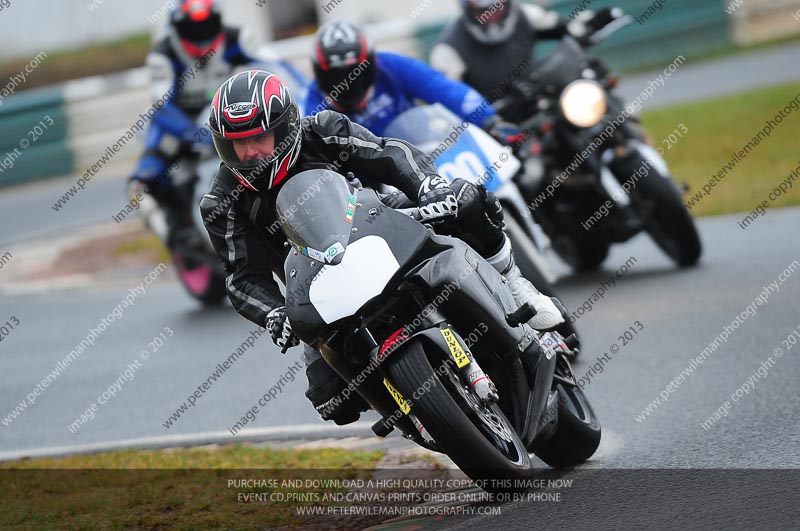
<point x="262" y="141"/>
<point x="491" y="44"/>
<point x="194" y="55"/>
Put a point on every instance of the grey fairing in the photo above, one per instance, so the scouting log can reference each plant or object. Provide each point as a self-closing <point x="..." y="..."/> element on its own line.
<point x="406" y="238"/>
<point x="538" y="402"/>
<point x="481" y="296"/>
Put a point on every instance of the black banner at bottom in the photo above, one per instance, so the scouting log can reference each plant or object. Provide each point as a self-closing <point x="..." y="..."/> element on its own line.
<point x="428" y="499"/>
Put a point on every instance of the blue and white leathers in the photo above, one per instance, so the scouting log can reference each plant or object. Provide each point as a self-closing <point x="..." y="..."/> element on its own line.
<point x="399" y="83"/>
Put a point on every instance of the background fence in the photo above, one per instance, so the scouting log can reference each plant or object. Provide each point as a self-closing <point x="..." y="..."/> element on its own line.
<point x="88" y="114"/>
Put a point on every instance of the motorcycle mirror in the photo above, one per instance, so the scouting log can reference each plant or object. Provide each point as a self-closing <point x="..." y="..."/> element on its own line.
<point x="353" y="180"/>
<point x="610" y="28"/>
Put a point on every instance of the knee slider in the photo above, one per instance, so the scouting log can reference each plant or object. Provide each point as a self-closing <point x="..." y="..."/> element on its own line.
<point x="474" y="199"/>
<point x="493" y="209"/>
<point x="470" y="197"/>
<point x="480" y="217"/>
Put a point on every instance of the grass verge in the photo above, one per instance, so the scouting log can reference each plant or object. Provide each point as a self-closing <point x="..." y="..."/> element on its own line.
<point x="172" y="489"/>
<point x="97" y="59"/>
<point x="146" y="244"/>
<point x="721" y="127"/>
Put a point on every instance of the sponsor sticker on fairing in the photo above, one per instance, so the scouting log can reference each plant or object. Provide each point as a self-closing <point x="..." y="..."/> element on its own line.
<point x="319" y="256"/>
<point x="351" y="208"/>
<point x="333" y="251"/>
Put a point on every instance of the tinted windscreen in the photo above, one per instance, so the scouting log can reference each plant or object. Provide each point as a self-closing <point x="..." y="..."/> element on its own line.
<point x="563" y="66"/>
<point x="316" y="210"/>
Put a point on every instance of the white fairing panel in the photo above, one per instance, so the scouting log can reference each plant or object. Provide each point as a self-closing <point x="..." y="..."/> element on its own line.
<point x="509" y="165"/>
<point x="339" y="290"/>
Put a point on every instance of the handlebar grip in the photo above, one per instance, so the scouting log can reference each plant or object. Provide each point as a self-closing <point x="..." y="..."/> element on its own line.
<point x="286" y="347"/>
<point x="411" y="212"/>
<point x="501" y="104"/>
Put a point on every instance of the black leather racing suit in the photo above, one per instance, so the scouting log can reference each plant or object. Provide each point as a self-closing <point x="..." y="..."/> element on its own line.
<point x="182" y="83"/>
<point x="491" y="68"/>
<point x="243" y="224"/>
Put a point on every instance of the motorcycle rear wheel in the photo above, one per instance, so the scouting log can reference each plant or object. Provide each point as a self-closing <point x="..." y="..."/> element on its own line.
<point x="577" y="433"/>
<point x="479" y="439"/>
<point x="203" y="282"/>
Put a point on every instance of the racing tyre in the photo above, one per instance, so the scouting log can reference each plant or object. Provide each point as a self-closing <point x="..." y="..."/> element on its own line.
<point x="479" y="439"/>
<point x="577" y="434"/>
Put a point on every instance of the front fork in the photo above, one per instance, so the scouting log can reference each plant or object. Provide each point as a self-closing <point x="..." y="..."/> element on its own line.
<point x="470" y="371"/>
<point x="441" y="337"/>
<point x="531" y="405"/>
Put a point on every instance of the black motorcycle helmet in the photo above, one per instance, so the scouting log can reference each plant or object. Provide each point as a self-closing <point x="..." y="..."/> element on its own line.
<point x="344" y="65"/>
<point x="198" y="24"/>
<point x="490" y="21"/>
<point x="252" y="109"/>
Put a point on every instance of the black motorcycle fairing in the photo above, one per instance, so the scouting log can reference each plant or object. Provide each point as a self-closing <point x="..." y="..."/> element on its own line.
<point x="563" y="66"/>
<point x="371" y="218"/>
<point x="539" y="397"/>
<point x="439" y="275"/>
<point x="566" y="63"/>
<point x="477" y="293"/>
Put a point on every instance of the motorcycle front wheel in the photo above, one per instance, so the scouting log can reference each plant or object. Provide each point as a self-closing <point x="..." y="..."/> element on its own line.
<point x="201" y="278"/>
<point x="478" y="438"/>
<point x="671" y="226"/>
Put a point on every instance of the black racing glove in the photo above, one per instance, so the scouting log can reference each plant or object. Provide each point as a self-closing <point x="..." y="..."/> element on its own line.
<point x="523" y="90"/>
<point x="504" y="132"/>
<point x="437" y="201"/>
<point x="280" y="329"/>
<point x="603" y="17"/>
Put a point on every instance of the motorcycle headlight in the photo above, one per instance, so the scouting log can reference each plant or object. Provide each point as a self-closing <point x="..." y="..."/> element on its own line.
<point x="583" y="103"/>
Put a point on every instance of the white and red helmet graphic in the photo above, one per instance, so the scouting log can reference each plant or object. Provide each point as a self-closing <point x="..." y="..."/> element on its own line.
<point x="251" y="105"/>
<point x="198" y="24"/>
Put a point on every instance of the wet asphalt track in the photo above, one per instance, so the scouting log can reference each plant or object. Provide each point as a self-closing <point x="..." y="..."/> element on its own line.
<point x="681" y="311"/>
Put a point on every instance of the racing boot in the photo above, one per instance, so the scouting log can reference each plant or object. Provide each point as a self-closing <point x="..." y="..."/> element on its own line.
<point x="331" y="396"/>
<point x="549" y="314"/>
<point x="154" y="219"/>
<point x="175" y="206"/>
<point x="166" y="210"/>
